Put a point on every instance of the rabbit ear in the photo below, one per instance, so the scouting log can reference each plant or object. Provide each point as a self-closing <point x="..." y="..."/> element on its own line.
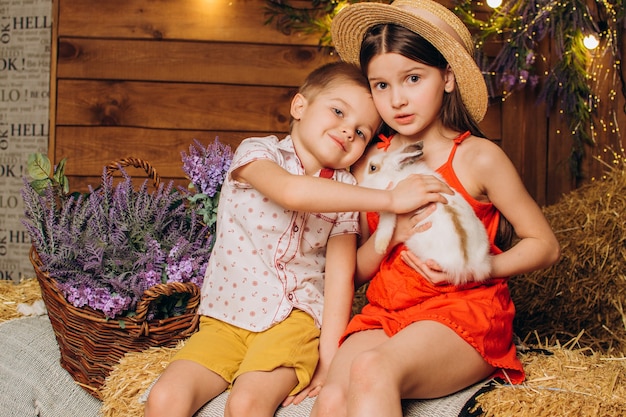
<point x="410" y="153"/>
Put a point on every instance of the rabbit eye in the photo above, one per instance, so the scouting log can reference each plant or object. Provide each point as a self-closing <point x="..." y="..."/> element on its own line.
<point x="373" y="168"/>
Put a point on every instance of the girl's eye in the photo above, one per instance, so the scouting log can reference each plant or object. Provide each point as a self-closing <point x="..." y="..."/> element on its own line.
<point x="414" y="78"/>
<point x="380" y="86"/>
<point x="337" y="112"/>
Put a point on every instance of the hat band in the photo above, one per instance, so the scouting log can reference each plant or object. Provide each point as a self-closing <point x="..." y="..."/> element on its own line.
<point x="434" y="20"/>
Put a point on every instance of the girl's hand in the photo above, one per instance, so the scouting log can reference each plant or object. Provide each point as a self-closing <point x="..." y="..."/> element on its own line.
<point x="428" y="269"/>
<point x="417" y="191"/>
<point x="410" y="223"/>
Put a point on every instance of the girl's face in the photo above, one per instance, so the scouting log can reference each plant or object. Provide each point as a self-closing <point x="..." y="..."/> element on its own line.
<point x="407" y="93"/>
<point x="333" y="128"/>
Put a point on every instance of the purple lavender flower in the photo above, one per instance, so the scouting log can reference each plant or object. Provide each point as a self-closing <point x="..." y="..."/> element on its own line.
<point x="98" y="298"/>
<point x="206" y="167"/>
<point x="106" y="248"/>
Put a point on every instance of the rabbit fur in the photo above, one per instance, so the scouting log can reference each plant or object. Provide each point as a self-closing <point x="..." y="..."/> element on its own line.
<point x="457" y="239"/>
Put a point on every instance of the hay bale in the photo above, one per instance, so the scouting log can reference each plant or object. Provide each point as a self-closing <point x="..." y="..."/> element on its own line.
<point x="566" y="383"/>
<point x="130" y="378"/>
<point x="586" y="290"/>
<point x="11" y="295"/>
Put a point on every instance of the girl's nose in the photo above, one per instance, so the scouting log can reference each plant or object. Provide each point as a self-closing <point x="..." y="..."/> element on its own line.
<point x="398" y="99"/>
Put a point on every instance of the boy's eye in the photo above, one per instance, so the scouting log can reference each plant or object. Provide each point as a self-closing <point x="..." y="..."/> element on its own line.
<point x="360" y="133"/>
<point x="337" y="112"/>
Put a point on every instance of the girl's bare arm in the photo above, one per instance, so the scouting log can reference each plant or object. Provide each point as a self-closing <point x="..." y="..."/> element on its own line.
<point x="538" y="247"/>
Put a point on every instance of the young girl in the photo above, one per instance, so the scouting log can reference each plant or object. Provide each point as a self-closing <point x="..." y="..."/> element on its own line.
<point x="285" y="255"/>
<point x="420" y="337"/>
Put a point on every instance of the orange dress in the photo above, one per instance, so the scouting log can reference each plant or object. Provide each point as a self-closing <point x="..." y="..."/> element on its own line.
<point x="480" y="313"/>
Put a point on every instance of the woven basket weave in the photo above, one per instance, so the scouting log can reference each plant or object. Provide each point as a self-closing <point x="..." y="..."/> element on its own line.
<point x="89" y="343"/>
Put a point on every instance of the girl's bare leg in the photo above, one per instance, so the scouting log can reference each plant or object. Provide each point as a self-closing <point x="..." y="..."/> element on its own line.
<point x="424" y="360"/>
<point x="332" y="399"/>
<point x="182" y="389"/>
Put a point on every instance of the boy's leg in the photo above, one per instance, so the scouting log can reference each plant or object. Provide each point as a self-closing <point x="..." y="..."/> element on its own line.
<point x="260" y="393"/>
<point x="280" y="361"/>
<point x="182" y="389"/>
<point x="200" y="370"/>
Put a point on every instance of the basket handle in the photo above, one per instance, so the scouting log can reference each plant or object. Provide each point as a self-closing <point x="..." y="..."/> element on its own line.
<point x="136" y="163"/>
<point x="152" y="293"/>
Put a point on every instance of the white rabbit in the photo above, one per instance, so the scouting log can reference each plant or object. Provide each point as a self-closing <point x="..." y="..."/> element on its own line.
<point x="457" y="239"/>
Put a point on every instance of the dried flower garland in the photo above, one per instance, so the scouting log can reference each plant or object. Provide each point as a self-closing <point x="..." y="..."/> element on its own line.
<point x="523" y="24"/>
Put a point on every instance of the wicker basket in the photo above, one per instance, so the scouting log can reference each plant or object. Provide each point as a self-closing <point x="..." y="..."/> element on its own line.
<point x="89" y="343"/>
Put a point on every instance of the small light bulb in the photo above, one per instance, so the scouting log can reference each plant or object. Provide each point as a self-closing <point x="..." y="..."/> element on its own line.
<point x="591" y="41"/>
<point x="494" y="3"/>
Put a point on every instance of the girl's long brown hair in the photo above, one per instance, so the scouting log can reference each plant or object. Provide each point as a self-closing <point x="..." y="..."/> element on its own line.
<point x="389" y="38"/>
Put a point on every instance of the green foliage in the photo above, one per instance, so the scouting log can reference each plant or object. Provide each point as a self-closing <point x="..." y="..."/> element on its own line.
<point x="40" y="170"/>
<point x="524" y="25"/>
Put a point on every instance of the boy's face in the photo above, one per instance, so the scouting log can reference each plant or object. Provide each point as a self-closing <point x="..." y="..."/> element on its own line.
<point x="333" y="128"/>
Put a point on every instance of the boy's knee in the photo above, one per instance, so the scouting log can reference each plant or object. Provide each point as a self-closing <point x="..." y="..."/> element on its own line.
<point x="241" y="404"/>
<point x="158" y="400"/>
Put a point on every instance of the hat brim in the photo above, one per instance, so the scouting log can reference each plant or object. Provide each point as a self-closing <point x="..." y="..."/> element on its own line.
<point x="350" y="25"/>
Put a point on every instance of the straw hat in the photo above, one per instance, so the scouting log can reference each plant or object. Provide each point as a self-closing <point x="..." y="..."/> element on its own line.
<point x="433" y="21"/>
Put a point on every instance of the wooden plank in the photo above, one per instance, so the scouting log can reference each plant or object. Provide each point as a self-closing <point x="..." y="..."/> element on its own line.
<point x="525" y="142"/>
<point x="559" y="179"/>
<point x="213" y="62"/>
<point x="53" y="85"/>
<point x="173" y="105"/>
<point x="89" y="149"/>
<point x="81" y="184"/>
<point x="218" y="20"/>
<point x="491" y="125"/>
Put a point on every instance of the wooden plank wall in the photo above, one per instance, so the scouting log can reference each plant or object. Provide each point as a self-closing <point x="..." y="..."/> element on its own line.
<point x="143" y="78"/>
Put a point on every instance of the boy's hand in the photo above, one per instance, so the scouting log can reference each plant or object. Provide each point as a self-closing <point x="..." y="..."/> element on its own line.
<point x="310" y="391"/>
<point x="416" y="191"/>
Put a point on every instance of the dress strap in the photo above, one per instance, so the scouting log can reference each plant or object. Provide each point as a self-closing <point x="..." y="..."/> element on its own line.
<point x="384" y="141"/>
<point x="457" y="142"/>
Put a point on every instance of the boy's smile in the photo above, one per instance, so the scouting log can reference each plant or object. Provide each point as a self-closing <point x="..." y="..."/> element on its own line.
<point x="333" y="126"/>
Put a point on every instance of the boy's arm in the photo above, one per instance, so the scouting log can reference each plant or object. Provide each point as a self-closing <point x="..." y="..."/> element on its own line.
<point x="338" y="296"/>
<point x="313" y="194"/>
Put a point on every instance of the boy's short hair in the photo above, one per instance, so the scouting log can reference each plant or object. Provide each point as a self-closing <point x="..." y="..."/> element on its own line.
<point x="329" y="74"/>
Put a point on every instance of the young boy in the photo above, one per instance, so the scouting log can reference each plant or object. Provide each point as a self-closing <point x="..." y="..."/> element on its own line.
<point x="285" y="255"/>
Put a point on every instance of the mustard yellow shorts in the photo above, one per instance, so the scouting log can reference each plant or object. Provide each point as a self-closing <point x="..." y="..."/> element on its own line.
<point x="230" y="351"/>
